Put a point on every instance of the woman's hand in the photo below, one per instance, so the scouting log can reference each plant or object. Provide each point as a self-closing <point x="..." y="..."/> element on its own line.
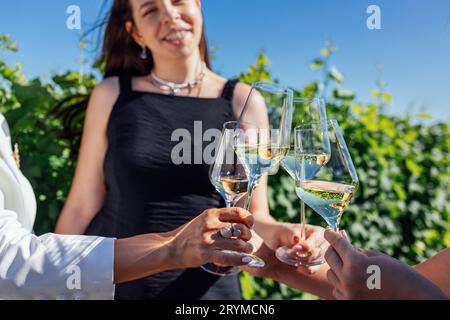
<point x="199" y="241"/>
<point x="286" y="234"/>
<point x="353" y="274"/>
<point x="277" y="234"/>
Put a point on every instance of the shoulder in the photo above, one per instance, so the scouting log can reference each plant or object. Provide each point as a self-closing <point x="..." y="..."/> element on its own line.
<point x="241" y="93"/>
<point x="4" y="129"/>
<point x="109" y="87"/>
<point x="103" y="97"/>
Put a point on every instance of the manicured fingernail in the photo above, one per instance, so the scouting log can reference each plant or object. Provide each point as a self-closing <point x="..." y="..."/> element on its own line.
<point x="297" y="247"/>
<point x="246" y="259"/>
<point x="296" y="239"/>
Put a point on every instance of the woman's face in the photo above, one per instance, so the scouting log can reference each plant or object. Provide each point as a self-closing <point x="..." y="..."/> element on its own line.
<point x="169" y="28"/>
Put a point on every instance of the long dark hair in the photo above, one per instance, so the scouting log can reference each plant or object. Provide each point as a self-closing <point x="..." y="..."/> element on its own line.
<point x="120" y="55"/>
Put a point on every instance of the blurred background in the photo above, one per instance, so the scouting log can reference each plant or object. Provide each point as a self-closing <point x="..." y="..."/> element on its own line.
<point x="388" y="88"/>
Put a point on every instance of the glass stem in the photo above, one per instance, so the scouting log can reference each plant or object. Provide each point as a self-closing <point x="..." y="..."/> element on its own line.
<point x="233" y="203"/>
<point x="302" y="220"/>
<point x="334" y="225"/>
<point x="250" y="187"/>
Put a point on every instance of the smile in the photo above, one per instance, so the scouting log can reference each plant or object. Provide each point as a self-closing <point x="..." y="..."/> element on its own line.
<point x="179" y="35"/>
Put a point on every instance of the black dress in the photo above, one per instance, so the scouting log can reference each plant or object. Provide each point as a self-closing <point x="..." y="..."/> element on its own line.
<point x="148" y="193"/>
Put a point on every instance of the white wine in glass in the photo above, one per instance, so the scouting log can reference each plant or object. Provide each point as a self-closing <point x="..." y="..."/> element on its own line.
<point x="228" y="175"/>
<point x="232" y="187"/>
<point x="330" y="190"/>
<point x="313" y="163"/>
<point x="329" y="199"/>
<point x="314" y="154"/>
<point x="262" y="142"/>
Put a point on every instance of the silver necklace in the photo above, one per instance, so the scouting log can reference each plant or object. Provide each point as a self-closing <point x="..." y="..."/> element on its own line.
<point x="173" y="88"/>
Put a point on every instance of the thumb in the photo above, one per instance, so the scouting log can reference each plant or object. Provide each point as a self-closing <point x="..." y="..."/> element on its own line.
<point x="369" y="253"/>
<point x="342" y="246"/>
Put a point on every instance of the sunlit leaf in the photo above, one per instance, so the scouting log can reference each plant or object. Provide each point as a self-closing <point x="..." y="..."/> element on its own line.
<point x="317" y="64"/>
<point x="336" y="75"/>
<point x="386" y="98"/>
<point x="413" y="167"/>
<point x="324" y="52"/>
<point x="423" y="116"/>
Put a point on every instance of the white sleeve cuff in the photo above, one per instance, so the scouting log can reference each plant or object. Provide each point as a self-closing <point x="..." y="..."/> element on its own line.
<point x="97" y="270"/>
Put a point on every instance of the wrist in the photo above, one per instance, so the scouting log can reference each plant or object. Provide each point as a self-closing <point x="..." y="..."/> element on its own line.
<point x="159" y="254"/>
<point x="265" y="228"/>
<point x="172" y="257"/>
<point x="141" y="256"/>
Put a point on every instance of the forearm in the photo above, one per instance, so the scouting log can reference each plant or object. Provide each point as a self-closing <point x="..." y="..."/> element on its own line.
<point x="142" y="256"/>
<point x="436" y="269"/>
<point x="316" y="283"/>
<point x="264" y="225"/>
<point x="421" y="288"/>
<point x="70" y="222"/>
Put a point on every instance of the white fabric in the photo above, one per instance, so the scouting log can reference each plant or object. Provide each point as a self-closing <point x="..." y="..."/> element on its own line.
<point x="50" y="266"/>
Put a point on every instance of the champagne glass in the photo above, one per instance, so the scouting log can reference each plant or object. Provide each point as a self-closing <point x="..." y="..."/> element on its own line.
<point x="228" y="176"/>
<point x="306" y="110"/>
<point x="330" y="190"/>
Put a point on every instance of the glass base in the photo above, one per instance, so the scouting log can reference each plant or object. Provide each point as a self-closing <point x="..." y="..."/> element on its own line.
<point x="220" y="271"/>
<point x="256" y="262"/>
<point x="293" y="258"/>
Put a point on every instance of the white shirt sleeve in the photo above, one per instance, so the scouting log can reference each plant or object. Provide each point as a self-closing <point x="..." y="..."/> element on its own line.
<point x="52" y="266"/>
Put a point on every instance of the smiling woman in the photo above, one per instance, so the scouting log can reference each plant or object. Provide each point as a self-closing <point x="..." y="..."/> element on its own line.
<point x="158" y="80"/>
<point x="123" y="55"/>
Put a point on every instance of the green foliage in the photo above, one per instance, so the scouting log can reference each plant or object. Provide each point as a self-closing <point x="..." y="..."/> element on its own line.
<point x="401" y="207"/>
<point x="45" y="159"/>
<point x="257" y="71"/>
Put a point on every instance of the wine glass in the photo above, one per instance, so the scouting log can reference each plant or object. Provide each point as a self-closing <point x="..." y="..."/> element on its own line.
<point x="306" y="110"/>
<point x="261" y="141"/>
<point x="228" y="176"/>
<point x="330" y="190"/>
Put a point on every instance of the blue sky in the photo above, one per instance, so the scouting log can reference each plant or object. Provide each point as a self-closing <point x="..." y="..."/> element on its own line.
<point x="413" y="45"/>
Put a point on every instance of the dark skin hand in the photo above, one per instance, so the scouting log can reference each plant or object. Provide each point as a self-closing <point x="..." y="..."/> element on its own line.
<point x="349" y="274"/>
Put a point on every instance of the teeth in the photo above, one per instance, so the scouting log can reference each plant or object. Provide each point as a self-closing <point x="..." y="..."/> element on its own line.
<point x="176" y="35"/>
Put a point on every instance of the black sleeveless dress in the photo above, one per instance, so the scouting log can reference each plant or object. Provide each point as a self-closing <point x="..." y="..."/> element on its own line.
<point x="148" y="193"/>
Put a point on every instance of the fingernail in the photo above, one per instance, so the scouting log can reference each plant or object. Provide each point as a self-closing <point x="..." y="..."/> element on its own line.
<point x="246" y="259"/>
<point x="297" y="247"/>
<point x="296" y="239"/>
<point x="345" y="235"/>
